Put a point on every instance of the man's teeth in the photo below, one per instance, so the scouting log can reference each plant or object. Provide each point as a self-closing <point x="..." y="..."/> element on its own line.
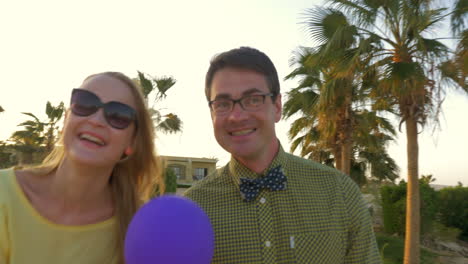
<point x="242" y="132"/>
<point x="92" y="139"/>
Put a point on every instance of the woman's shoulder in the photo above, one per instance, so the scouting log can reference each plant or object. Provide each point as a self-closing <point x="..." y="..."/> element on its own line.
<point x="7" y="183"/>
<point x="6" y="177"/>
<point x="6" y="172"/>
<point x="11" y="182"/>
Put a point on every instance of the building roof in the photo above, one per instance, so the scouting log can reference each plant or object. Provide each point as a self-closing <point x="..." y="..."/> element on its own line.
<point x="193" y="159"/>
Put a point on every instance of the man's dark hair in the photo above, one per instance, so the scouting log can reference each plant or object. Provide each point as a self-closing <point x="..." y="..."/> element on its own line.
<point x="244" y="58"/>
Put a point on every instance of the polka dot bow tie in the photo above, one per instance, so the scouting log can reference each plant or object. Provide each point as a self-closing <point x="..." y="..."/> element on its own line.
<point x="275" y="180"/>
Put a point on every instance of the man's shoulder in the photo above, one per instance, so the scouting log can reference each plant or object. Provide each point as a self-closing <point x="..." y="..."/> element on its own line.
<point x="211" y="182"/>
<point x="299" y="163"/>
<point x="307" y="170"/>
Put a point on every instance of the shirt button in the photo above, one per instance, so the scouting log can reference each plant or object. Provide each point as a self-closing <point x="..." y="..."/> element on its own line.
<point x="262" y="200"/>
<point x="268" y="244"/>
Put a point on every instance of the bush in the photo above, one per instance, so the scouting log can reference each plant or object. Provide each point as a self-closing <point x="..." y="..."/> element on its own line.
<point x="170" y="179"/>
<point x="429" y="207"/>
<point x="394" y="207"/>
<point x="170" y="182"/>
<point x="454" y="209"/>
<point x="392" y="248"/>
<point x="7" y="159"/>
<point x="445" y="233"/>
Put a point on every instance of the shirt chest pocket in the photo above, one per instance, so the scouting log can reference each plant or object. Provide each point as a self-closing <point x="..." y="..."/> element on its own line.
<point x="322" y="247"/>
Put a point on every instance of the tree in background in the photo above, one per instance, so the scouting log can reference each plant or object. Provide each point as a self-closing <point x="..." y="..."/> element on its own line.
<point x="454" y="209"/>
<point x="7" y="156"/>
<point x="394" y="206"/>
<point x="335" y="95"/>
<point x="401" y="65"/>
<point x="331" y="103"/>
<point x="170" y="180"/>
<point x="29" y="140"/>
<point x="37" y="136"/>
<point x="455" y="70"/>
<point x="370" y="154"/>
<point x="51" y="129"/>
<point x="157" y="87"/>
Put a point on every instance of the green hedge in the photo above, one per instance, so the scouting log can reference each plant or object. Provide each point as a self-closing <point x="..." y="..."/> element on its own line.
<point x="454" y="209"/>
<point x="170" y="179"/>
<point x="394" y="207"/>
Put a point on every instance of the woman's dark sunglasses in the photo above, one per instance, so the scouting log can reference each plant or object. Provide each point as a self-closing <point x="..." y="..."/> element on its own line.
<point x="85" y="103"/>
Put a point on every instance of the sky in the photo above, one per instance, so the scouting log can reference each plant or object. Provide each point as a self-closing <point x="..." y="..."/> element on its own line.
<point x="48" y="47"/>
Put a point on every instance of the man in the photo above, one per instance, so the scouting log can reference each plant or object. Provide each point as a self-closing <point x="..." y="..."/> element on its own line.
<point x="265" y="205"/>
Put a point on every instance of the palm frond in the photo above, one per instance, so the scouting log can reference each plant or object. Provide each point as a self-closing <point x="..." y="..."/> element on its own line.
<point x="164" y="84"/>
<point x="364" y="13"/>
<point x="323" y="23"/>
<point x="170" y="124"/>
<point x="145" y="83"/>
<point x="458" y="20"/>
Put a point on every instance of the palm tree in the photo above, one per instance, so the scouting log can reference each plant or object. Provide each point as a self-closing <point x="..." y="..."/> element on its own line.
<point x="371" y="137"/>
<point x="29" y="140"/>
<point x="372" y="157"/>
<point x="38" y="136"/>
<point x="51" y="130"/>
<point x="455" y="70"/>
<point x="393" y="39"/>
<point x="458" y="18"/>
<point x="323" y="95"/>
<point x="167" y="123"/>
<point x="333" y="122"/>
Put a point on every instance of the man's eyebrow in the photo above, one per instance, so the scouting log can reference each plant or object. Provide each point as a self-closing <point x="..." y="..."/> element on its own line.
<point x="222" y="96"/>
<point x="247" y="92"/>
<point x="251" y="91"/>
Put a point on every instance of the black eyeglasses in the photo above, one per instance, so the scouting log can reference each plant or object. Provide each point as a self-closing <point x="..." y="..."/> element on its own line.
<point x="85" y="103"/>
<point x="248" y="103"/>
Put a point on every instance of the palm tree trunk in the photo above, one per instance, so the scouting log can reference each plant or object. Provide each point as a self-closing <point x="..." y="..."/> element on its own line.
<point x="337" y="156"/>
<point x="412" y="231"/>
<point x="345" y="136"/>
<point x="346" y="157"/>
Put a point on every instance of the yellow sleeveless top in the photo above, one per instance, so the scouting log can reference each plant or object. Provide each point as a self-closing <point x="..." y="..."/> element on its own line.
<point x="27" y="237"/>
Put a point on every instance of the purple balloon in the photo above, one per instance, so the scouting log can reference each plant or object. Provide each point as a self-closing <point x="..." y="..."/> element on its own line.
<point x="169" y="229"/>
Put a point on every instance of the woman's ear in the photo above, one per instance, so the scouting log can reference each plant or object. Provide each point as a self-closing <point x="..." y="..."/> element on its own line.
<point x="128" y="151"/>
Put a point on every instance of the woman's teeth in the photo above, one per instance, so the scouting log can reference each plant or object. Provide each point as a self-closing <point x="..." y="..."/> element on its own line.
<point x="92" y="139"/>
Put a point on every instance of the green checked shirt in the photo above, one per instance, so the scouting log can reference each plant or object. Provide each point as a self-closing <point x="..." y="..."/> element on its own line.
<point x="319" y="218"/>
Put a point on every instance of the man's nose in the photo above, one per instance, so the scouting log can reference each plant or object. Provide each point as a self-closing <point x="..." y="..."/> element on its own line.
<point x="237" y="112"/>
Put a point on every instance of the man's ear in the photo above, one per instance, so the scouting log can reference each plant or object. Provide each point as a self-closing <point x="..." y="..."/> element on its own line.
<point x="278" y="108"/>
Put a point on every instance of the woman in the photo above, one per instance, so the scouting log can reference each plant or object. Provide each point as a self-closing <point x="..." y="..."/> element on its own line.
<point x="75" y="207"/>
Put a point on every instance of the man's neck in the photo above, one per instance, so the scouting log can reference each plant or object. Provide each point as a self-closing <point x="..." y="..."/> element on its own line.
<point x="259" y="164"/>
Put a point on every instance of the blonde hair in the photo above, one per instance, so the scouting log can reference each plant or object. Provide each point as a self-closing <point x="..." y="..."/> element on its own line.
<point x="133" y="179"/>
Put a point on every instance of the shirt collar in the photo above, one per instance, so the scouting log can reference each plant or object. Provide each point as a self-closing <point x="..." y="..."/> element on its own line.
<point x="237" y="170"/>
